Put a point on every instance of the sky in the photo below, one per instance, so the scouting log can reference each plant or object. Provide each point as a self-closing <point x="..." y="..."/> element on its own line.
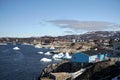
<point x="35" y="18"/>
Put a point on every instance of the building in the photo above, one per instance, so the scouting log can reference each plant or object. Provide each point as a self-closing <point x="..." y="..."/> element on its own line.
<point x="90" y="56"/>
<point x="84" y="58"/>
<point x="101" y="57"/>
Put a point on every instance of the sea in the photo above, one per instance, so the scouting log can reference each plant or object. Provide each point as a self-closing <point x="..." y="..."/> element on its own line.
<point x="23" y="64"/>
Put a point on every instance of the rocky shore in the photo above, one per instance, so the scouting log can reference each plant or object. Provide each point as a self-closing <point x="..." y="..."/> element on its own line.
<point x="98" y="71"/>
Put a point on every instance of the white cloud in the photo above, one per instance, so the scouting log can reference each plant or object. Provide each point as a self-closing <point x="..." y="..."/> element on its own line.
<point x="86" y="25"/>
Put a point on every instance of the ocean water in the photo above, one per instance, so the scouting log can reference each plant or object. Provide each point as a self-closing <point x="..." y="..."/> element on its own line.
<point x="23" y="64"/>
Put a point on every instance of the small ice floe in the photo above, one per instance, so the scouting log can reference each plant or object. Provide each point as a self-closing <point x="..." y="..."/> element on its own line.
<point x="37" y="46"/>
<point x="26" y="44"/>
<point x="47" y="53"/>
<point x="45" y="60"/>
<point x="40" y="52"/>
<point x="16" y="48"/>
<point x="3" y="43"/>
<point x="67" y="56"/>
<point x="58" y="56"/>
<point x="52" y="47"/>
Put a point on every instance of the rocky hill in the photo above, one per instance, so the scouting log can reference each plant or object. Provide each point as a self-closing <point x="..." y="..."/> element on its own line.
<point x="86" y="36"/>
<point x="95" y="35"/>
<point x="104" y="70"/>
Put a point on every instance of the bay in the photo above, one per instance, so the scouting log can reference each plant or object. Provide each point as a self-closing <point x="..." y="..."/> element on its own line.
<point x="23" y="64"/>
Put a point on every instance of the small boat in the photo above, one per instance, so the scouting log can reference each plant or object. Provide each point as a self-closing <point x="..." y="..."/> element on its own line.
<point x="47" y="53"/>
<point x="45" y="60"/>
<point x="40" y="52"/>
<point x="16" y="48"/>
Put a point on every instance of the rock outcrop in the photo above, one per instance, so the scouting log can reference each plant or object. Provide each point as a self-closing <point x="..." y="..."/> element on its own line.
<point x="101" y="70"/>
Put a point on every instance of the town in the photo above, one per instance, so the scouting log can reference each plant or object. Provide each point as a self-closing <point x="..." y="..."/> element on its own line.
<point x="99" y="51"/>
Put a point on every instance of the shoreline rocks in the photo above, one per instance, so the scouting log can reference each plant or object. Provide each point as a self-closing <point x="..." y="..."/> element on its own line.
<point x="94" y="72"/>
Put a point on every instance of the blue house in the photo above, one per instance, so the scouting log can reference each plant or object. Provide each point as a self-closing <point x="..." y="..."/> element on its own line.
<point x="101" y="57"/>
<point x="84" y="58"/>
<point x="90" y="56"/>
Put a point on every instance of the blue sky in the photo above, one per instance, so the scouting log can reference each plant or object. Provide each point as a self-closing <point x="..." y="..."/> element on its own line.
<point x="26" y="18"/>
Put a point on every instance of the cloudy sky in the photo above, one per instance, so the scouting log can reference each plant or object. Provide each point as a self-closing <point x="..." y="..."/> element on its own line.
<point x="26" y="18"/>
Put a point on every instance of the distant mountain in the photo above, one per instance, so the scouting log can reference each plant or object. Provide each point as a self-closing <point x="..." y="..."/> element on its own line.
<point x="95" y="35"/>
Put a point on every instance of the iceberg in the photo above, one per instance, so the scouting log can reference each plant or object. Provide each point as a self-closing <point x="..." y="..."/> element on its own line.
<point x="16" y="48"/>
<point x="67" y="56"/>
<point x="26" y="44"/>
<point x="40" y="52"/>
<point x="55" y="56"/>
<point x="58" y="56"/>
<point x="52" y="47"/>
<point x="47" y="53"/>
<point x="45" y="60"/>
<point x="37" y="46"/>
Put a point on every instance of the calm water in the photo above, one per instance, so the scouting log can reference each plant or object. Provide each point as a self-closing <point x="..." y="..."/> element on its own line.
<point x="23" y="64"/>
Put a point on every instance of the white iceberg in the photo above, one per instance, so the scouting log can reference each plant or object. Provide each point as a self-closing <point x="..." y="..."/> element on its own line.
<point x="58" y="56"/>
<point x="26" y="44"/>
<point x="45" y="60"/>
<point x="67" y="56"/>
<point x="55" y="56"/>
<point x="47" y="53"/>
<point x="61" y="55"/>
<point x="16" y="48"/>
<point x="40" y="52"/>
<point x="37" y="46"/>
<point x="52" y="47"/>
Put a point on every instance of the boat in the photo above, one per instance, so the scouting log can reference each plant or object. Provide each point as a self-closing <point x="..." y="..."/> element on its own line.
<point x="45" y="60"/>
<point x="16" y="48"/>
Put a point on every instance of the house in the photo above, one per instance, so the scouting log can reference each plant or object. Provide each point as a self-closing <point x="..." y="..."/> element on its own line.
<point x="101" y="57"/>
<point x="90" y="56"/>
<point x="84" y="58"/>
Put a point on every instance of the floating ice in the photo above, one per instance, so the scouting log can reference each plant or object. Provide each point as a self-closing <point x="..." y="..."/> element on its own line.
<point x="26" y="44"/>
<point x="16" y="48"/>
<point x="37" y="46"/>
<point x="58" y="56"/>
<point x="52" y="47"/>
<point x="46" y="60"/>
<point x="47" y="53"/>
<point x="67" y="56"/>
<point x="40" y="52"/>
